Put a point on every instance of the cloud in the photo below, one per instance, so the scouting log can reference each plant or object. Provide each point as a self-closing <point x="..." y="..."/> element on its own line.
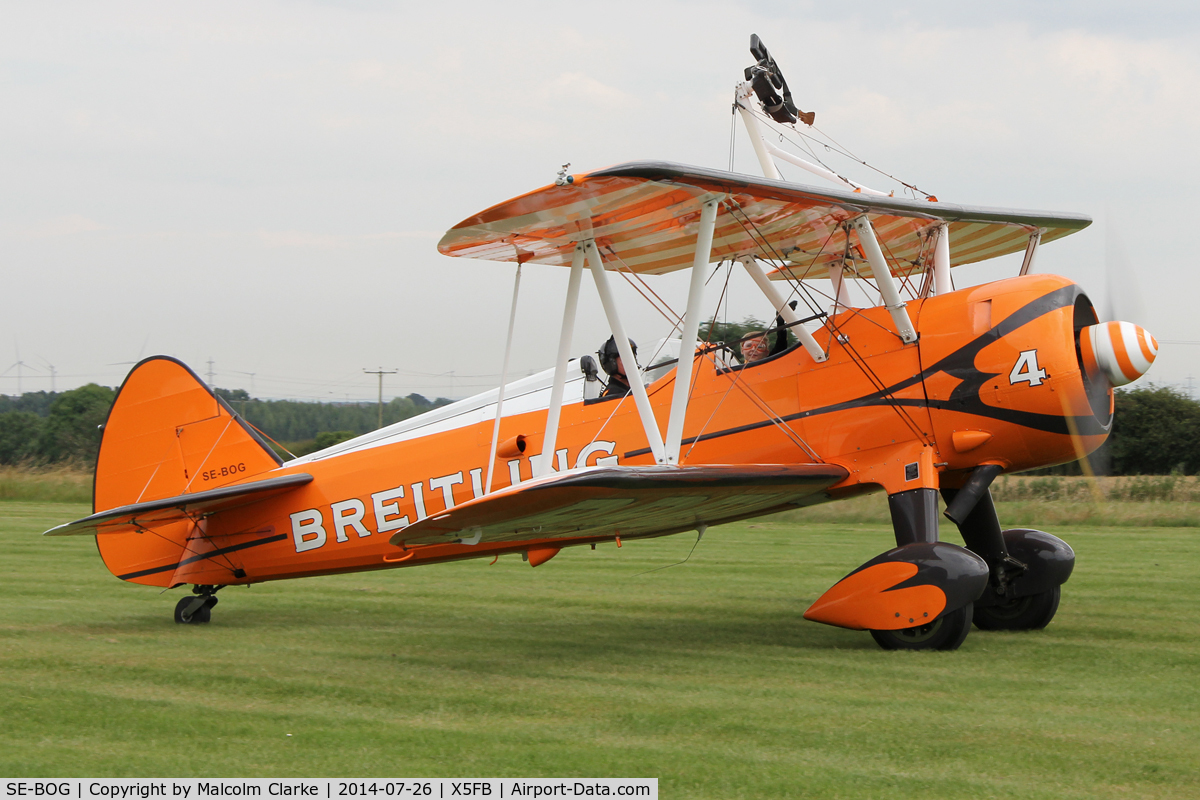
<point x="578" y="88"/>
<point x="297" y="239"/>
<point x="321" y="240"/>
<point x="69" y="225"/>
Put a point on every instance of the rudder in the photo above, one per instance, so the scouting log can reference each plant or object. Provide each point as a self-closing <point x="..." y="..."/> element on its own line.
<point x="167" y="434"/>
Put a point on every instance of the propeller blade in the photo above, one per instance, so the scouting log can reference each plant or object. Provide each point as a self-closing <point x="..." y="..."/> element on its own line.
<point x="1123" y="295"/>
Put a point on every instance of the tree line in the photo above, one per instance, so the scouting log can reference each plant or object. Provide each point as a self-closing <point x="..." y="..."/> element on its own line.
<point x="39" y="428"/>
<point x="1156" y="429"/>
<point x="299" y="422"/>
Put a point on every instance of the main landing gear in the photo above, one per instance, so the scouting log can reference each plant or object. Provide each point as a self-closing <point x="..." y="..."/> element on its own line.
<point x="917" y="596"/>
<point x="947" y="632"/>
<point x="197" y="609"/>
<point x="1029" y="613"/>
<point x="915" y="520"/>
<point x="1025" y="568"/>
<point x="924" y="594"/>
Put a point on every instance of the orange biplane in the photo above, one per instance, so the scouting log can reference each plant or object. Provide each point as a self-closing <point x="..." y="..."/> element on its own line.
<point x="931" y="390"/>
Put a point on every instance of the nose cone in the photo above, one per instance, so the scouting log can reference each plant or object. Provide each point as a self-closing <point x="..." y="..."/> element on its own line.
<point x="1119" y="351"/>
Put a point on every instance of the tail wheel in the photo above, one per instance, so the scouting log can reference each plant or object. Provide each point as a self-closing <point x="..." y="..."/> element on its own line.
<point x="1030" y="613"/>
<point x="946" y="632"/>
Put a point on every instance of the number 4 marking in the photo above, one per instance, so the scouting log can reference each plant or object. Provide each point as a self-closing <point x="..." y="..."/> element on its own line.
<point x="1026" y="369"/>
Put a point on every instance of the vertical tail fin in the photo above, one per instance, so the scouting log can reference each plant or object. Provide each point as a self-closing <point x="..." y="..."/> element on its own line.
<point x="166" y="435"/>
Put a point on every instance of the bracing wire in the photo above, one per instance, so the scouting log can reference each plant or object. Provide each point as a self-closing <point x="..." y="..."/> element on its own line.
<point x="832" y="146"/>
<point x="763" y="406"/>
<point x="732" y="133"/>
<point x="665" y="315"/>
<point x="762" y="241"/>
<point x="844" y="151"/>
<point x="268" y="438"/>
<point x="859" y="361"/>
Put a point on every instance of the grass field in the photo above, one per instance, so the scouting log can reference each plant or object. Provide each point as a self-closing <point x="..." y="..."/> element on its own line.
<point x="704" y="675"/>
<point x="49" y="484"/>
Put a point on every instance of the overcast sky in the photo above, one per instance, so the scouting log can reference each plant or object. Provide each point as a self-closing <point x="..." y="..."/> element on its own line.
<point x="264" y="184"/>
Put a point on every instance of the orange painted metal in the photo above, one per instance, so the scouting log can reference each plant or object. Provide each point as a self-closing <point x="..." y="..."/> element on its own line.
<point x="966" y="441"/>
<point x="885" y="411"/>
<point x="540" y="555"/>
<point x="169" y="435"/>
<point x="865" y="600"/>
<point x="511" y="448"/>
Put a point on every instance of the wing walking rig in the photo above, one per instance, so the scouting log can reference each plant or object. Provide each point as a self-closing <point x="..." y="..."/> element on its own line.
<point x="931" y="391"/>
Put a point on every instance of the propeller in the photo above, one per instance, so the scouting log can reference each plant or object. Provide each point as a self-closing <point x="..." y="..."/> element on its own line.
<point x="1113" y="351"/>
<point x="1124" y="297"/>
<point x="1117" y="350"/>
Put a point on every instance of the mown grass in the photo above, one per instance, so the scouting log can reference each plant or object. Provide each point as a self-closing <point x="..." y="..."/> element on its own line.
<point x="703" y="675"/>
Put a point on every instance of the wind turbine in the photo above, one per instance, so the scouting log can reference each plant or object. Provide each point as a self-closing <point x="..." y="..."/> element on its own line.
<point x="53" y="373"/>
<point x="20" y="365"/>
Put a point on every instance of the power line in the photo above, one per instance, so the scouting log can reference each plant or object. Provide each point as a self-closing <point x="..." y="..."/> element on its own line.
<point x="380" y="372"/>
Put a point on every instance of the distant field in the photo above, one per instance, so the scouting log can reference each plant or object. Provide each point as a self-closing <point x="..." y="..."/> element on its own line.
<point x="50" y="485"/>
<point x="1037" y="502"/>
<point x="703" y="675"/>
<point x="1151" y="500"/>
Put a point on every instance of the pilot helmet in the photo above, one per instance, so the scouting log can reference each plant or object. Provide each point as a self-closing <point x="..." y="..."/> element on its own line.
<point x="609" y="354"/>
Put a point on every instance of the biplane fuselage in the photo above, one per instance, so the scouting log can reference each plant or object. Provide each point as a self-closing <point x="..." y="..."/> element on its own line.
<point x="967" y="393"/>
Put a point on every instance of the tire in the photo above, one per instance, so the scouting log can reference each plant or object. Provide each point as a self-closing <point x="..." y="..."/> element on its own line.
<point x="197" y="617"/>
<point x="947" y="632"/>
<point x="1030" y="613"/>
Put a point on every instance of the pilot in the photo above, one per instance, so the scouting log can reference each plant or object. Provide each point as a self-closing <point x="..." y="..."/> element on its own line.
<point x="754" y="348"/>
<point x="610" y="361"/>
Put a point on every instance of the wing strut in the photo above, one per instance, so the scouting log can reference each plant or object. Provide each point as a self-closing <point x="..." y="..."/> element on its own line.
<point x="664" y="452"/>
<point x="512" y="319"/>
<point x="841" y="290"/>
<point x="1035" y="239"/>
<point x="546" y="461"/>
<point x="884" y="279"/>
<point x="941" y="261"/>
<point x="782" y="308"/>
<point x="691" y="327"/>
<point x="649" y="424"/>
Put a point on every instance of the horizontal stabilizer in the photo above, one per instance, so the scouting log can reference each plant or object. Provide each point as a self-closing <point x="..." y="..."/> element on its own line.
<point x="130" y="518"/>
<point x="625" y="501"/>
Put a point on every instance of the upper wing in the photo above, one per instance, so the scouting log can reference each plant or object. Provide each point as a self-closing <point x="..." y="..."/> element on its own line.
<point x="625" y="501"/>
<point x="130" y="518"/>
<point x="647" y="215"/>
